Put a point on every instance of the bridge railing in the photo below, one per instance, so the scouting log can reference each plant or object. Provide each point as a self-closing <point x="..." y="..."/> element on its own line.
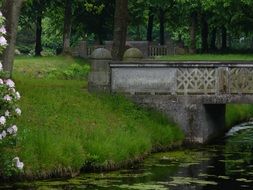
<point x="182" y="78"/>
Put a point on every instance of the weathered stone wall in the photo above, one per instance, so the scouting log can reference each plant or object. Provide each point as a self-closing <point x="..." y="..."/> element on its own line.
<point x="201" y="123"/>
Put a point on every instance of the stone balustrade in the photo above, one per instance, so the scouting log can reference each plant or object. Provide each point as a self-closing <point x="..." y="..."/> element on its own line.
<point x="182" y="78"/>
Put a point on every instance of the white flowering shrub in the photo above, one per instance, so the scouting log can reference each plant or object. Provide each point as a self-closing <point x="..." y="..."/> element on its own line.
<point x="8" y="112"/>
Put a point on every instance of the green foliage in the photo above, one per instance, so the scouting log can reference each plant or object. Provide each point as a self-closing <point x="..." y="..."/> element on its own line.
<point x="238" y="113"/>
<point x="94" y="20"/>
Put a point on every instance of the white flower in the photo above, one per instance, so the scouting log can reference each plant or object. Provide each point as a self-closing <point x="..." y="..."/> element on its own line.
<point x="18" y="163"/>
<point x="1" y="81"/>
<point x="4" y="134"/>
<point x="10" y="130"/>
<point x="7" y="113"/>
<point x="12" y="90"/>
<point x="15" y="129"/>
<point x="2" y="120"/>
<point x="17" y="96"/>
<point x="3" y="30"/>
<point x="7" y="98"/>
<point x="10" y="83"/>
<point x="1" y="67"/>
<point x="3" y="41"/>
<point x="18" y="111"/>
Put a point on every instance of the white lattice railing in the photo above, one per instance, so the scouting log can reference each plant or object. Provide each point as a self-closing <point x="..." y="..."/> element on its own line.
<point x="182" y="78"/>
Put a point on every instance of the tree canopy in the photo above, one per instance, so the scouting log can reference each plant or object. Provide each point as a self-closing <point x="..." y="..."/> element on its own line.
<point x="197" y="25"/>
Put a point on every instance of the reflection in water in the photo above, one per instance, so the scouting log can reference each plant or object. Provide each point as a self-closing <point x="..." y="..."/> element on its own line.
<point x="219" y="167"/>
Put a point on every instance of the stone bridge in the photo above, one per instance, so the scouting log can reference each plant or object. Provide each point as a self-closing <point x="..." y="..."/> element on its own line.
<point x="194" y="94"/>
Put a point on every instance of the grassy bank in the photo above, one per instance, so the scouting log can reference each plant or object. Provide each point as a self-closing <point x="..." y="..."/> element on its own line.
<point x="51" y="68"/>
<point x="237" y="113"/>
<point x="208" y="57"/>
<point x="64" y="128"/>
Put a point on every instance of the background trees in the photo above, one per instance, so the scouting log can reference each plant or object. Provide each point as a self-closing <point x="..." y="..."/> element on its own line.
<point x="198" y="26"/>
<point x="11" y="10"/>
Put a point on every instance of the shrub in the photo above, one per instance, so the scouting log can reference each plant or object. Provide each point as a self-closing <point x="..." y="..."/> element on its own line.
<point x="8" y="111"/>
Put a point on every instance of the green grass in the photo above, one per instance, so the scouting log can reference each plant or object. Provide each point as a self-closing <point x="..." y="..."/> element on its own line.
<point x="62" y="67"/>
<point x="237" y="113"/>
<point x="208" y="57"/>
<point x="64" y="128"/>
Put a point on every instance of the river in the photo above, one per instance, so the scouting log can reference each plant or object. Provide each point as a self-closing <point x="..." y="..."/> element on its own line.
<point x="227" y="165"/>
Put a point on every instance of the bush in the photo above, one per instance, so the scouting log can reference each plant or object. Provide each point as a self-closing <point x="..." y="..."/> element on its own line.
<point x="8" y="111"/>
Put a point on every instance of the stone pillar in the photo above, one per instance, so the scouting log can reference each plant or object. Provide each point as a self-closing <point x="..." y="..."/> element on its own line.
<point x="99" y="77"/>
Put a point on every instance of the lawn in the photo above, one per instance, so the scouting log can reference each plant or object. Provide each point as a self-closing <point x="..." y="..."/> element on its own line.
<point x="61" y="67"/>
<point x="64" y="128"/>
<point x="208" y="57"/>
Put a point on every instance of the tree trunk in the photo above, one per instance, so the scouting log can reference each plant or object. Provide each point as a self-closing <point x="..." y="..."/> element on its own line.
<point x="67" y="27"/>
<point x="100" y="32"/>
<point x="120" y="29"/>
<point x="150" y="25"/>
<point x="11" y="11"/>
<point x="138" y="28"/>
<point x="204" y="33"/>
<point x="38" y="45"/>
<point x="193" y="29"/>
<point x="213" y="39"/>
<point x="224" y="38"/>
<point x="161" y="20"/>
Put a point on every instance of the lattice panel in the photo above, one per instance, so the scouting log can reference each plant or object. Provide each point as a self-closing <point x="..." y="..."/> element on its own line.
<point x="196" y="81"/>
<point x="241" y="80"/>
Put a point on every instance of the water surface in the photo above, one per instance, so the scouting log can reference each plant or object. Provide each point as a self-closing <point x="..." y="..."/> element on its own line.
<point x="226" y="166"/>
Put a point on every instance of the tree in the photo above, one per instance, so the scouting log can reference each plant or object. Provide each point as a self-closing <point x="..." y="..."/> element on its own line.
<point x="120" y="29"/>
<point x="150" y="24"/>
<point x="34" y="12"/>
<point x="67" y="26"/>
<point x="204" y="33"/>
<point x="11" y="11"/>
<point x="193" y="28"/>
<point x="39" y="15"/>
